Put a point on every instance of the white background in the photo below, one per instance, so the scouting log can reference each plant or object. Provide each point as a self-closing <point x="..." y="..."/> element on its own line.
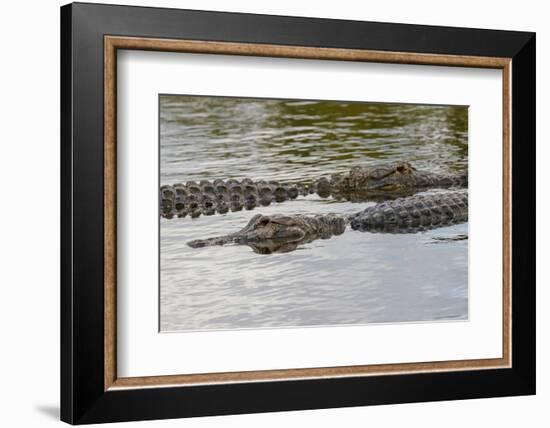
<point x="144" y="352"/>
<point x="29" y="309"/>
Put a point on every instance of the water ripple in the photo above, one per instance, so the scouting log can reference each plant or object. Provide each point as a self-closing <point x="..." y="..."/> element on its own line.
<point x="354" y="278"/>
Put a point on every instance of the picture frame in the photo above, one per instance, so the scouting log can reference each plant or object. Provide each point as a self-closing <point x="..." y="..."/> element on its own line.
<point x="91" y="391"/>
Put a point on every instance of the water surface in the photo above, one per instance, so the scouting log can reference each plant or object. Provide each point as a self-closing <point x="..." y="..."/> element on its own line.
<point x="354" y="278"/>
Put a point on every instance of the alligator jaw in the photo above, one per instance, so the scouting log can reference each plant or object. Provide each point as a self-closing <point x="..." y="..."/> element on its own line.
<point x="210" y="242"/>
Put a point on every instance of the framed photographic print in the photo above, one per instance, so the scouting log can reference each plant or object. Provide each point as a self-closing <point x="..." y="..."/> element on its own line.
<point x="265" y="213"/>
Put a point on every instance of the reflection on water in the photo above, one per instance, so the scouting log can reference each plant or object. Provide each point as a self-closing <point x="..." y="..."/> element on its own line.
<point x="354" y="278"/>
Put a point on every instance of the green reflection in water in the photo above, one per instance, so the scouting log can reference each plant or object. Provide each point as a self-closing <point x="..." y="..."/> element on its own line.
<point x="205" y="137"/>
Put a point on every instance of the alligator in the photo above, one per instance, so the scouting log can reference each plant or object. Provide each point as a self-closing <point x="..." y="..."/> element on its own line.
<point x="361" y="183"/>
<point x="266" y="234"/>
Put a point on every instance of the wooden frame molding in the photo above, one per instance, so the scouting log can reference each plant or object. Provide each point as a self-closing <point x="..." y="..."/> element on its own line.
<point x="113" y="43"/>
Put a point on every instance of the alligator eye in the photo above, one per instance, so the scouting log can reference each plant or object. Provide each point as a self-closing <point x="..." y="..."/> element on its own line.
<point x="404" y="167"/>
<point x="264" y="222"/>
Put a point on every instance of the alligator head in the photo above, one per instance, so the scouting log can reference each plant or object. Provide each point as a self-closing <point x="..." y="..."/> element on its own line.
<point x="267" y="234"/>
<point x="390" y="180"/>
<point x="382" y="177"/>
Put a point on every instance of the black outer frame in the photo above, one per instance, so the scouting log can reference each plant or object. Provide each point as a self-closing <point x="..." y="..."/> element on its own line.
<point x="83" y="399"/>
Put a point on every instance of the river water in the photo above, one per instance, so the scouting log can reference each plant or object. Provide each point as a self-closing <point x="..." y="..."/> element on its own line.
<point x="354" y="278"/>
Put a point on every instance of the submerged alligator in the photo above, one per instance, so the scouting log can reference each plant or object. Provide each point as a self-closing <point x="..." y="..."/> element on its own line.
<point x="266" y="234"/>
<point x="414" y="214"/>
<point x="361" y="183"/>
